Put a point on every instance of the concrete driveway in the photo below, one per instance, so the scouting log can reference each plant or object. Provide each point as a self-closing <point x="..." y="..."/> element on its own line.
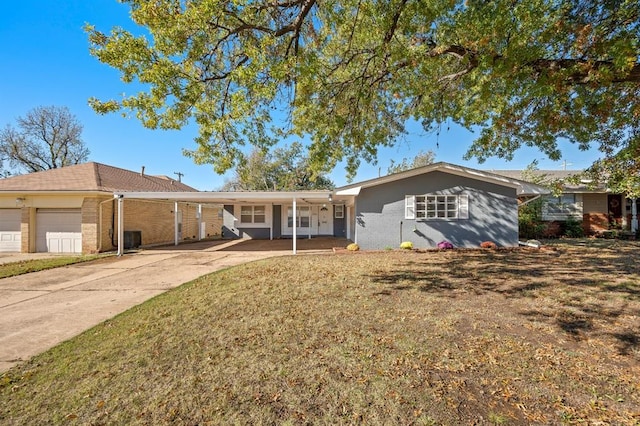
<point x="42" y="309"/>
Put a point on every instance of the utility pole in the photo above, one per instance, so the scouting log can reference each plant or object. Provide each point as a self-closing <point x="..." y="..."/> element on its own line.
<point x="179" y="176"/>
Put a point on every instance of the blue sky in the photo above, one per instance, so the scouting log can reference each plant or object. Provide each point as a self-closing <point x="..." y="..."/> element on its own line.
<point x="46" y="61"/>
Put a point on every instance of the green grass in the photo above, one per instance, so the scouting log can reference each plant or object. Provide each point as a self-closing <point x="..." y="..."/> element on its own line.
<point x="35" y="265"/>
<point x="401" y="337"/>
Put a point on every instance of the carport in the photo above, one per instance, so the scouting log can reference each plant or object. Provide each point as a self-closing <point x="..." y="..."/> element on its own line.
<point x="221" y="198"/>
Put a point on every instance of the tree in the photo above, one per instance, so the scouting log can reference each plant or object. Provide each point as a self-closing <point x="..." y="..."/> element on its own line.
<point x="421" y="159"/>
<point x="46" y="138"/>
<point x="285" y="169"/>
<point x="351" y="73"/>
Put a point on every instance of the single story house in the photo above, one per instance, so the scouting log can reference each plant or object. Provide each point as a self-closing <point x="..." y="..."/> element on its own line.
<point x="73" y="210"/>
<point x="437" y="202"/>
<point x="597" y="208"/>
<point x="94" y="207"/>
<point x="425" y="205"/>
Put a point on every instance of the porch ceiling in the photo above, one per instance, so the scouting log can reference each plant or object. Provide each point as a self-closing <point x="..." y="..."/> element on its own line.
<point x="311" y="197"/>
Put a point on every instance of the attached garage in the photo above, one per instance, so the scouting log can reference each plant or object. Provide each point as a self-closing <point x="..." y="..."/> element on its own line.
<point x="59" y="231"/>
<point x="10" y="235"/>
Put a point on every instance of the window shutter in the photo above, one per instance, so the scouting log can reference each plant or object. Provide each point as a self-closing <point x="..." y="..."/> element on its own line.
<point x="409" y="206"/>
<point x="463" y="206"/>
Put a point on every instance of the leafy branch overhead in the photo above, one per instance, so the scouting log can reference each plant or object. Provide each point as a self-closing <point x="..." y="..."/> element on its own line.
<point x="349" y="74"/>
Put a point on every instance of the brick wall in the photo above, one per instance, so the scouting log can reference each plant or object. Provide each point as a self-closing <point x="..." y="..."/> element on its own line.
<point x="594" y="223"/>
<point x="90" y="219"/>
<point x="155" y="221"/>
<point x="28" y="230"/>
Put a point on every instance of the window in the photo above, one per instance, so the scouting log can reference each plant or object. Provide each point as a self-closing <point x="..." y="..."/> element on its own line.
<point x="338" y="211"/>
<point x="252" y="214"/>
<point x="303" y="219"/>
<point x="437" y="207"/>
<point x="560" y="208"/>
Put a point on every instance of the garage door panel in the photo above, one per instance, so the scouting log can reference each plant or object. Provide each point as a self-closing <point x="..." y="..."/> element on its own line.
<point x="10" y="235"/>
<point x="59" y="231"/>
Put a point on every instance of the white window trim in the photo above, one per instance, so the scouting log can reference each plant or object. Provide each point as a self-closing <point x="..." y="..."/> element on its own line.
<point x="335" y="211"/>
<point x="253" y="223"/>
<point x="462" y="207"/>
<point x="299" y="217"/>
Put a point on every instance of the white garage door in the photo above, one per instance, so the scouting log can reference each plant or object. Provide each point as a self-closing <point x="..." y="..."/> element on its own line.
<point x="59" y="231"/>
<point x="10" y="234"/>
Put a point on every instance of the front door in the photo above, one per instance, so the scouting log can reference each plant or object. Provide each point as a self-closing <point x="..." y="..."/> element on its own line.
<point x="615" y="210"/>
<point x="325" y="225"/>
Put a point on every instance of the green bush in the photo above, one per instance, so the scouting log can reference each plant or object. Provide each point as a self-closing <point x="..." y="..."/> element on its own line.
<point x="572" y="228"/>
<point x="530" y="224"/>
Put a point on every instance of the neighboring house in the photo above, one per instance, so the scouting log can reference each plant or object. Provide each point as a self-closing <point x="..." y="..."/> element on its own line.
<point x="597" y="208"/>
<point x="72" y="210"/>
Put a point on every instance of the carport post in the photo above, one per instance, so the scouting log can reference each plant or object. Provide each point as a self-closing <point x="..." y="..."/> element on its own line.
<point x="175" y="222"/>
<point x="120" y="225"/>
<point x="295" y="220"/>
<point x="199" y="222"/>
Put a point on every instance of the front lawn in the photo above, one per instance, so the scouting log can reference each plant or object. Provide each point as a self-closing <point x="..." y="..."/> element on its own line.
<point x="456" y="337"/>
<point x="34" y="265"/>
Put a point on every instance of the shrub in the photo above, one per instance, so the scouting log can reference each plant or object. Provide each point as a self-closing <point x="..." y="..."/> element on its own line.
<point x="530" y="222"/>
<point x="353" y="247"/>
<point x="406" y="245"/>
<point x="572" y="228"/>
<point x="488" y="245"/>
<point x="445" y="245"/>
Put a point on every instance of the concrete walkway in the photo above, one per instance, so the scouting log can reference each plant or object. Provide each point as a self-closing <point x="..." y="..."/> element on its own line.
<point x="42" y="309"/>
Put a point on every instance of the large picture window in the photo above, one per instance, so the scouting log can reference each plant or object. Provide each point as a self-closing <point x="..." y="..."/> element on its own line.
<point x="437" y="206"/>
<point x="303" y="219"/>
<point x="252" y="214"/>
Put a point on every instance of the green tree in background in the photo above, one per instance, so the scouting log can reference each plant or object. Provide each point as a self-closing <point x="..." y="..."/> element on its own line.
<point x="47" y="137"/>
<point x="284" y="169"/>
<point x="349" y="74"/>
<point x="421" y="159"/>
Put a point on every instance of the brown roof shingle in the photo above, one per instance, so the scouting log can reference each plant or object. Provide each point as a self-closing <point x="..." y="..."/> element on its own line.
<point x="92" y="177"/>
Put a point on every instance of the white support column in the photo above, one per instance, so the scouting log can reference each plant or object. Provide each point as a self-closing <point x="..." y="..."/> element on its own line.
<point x="175" y="222"/>
<point x="310" y="218"/>
<point x="348" y="219"/>
<point x="271" y="223"/>
<point x="634" y="215"/>
<point x="295" y="226"/>
<point x="120" y="225"/>
<point x="199" y="222"/>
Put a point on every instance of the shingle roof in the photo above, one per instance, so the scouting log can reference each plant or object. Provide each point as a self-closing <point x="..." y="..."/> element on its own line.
<point x="523" y="187"/>
<point x="92" y="177"/>
<point x="554" y="175"/>
<point x="548" y="174"/>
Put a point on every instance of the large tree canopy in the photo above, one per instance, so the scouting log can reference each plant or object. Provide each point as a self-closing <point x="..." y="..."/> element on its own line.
<point x="284" y="169"/>
<point x="47" y="137"/>
<point x="349" y="74"/>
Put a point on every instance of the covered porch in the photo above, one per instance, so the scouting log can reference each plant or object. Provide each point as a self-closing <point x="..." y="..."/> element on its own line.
<point x="291" y="216"/>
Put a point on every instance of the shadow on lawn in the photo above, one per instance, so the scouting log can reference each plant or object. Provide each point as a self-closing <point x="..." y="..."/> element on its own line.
<point x="584" y="289"/>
